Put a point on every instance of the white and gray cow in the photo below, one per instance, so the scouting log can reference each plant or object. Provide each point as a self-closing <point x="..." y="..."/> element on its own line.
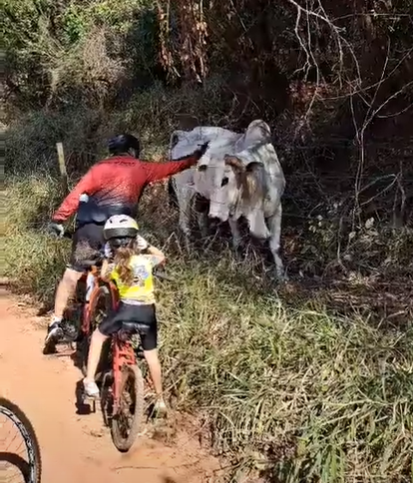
<point x="221" y="141"/>
<point x="240" y="175"/>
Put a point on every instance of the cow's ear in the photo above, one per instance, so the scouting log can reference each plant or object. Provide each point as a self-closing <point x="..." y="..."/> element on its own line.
<point x="253" y="166"/>
<point x="234" y="162"/>
<point x="175" y="138"/>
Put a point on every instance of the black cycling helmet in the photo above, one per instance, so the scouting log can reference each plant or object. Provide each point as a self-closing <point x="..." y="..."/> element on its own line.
<point x="123" y="144"/>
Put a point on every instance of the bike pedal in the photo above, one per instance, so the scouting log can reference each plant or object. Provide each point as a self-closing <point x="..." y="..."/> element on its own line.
<point x="66" y="341"/>
<point x="90" y="401"/>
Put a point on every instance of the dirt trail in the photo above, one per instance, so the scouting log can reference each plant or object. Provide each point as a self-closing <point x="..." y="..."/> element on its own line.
<point x="77" y="448"/>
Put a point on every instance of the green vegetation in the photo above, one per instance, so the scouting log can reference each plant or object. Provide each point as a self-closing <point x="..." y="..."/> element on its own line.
<point x="292" y="392"/>
<point x="311" y="382"/>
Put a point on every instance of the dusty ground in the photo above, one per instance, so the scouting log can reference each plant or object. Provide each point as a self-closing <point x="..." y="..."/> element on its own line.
<point x="77" y="448"/>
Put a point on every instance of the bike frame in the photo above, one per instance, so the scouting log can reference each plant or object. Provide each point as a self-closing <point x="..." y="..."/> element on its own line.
<point x="93" y="278"/>
<point x="122" y="355"/>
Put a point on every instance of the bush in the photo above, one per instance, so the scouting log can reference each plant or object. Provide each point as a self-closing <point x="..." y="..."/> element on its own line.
<point x="151" y="114"/>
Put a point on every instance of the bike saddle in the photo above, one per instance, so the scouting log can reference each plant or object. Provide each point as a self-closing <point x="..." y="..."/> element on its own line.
<point x="95" y="262"/>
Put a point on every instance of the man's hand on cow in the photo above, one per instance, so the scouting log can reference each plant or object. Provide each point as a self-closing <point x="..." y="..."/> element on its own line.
<point x="201" y="150"/>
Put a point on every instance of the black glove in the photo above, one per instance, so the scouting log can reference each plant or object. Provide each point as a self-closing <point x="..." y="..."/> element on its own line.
<point x="56" y="229"/>
<point x="201" y="150"/>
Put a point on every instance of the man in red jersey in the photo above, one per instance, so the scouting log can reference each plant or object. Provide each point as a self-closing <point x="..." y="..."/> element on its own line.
<point x="111" y="187"/>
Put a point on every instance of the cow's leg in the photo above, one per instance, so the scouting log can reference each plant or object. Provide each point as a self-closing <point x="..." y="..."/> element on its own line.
<point x="185" y="199"/>
<point x="202" y="208"/>
<point x="236" y="234"/>
<point x="258" y="224"/>
<point x="202" y="219"/>
<point x="274" y="225"/>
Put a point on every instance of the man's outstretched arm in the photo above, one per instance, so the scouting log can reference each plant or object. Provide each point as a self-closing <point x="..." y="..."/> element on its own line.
<point x="158" y="171"/>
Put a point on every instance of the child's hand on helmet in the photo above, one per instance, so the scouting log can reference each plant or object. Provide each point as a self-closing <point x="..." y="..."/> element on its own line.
<point x="107" y="251"/>
<point x="141" y="243"/>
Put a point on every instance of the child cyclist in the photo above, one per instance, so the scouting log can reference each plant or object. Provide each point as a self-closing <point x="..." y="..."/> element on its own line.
<point x="132" y="272"/>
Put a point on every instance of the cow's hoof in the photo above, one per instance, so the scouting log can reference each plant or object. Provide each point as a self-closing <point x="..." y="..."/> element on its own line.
<point x="282" y="277"/>
<point x="278" y="277"/>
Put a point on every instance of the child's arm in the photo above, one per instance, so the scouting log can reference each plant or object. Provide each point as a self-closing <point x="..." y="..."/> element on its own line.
<point x="158" y="257"/>
<point x="104" y="271"/>
<point x="106" y="268"/>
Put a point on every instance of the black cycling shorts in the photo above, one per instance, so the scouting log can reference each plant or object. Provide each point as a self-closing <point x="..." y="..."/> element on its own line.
<point x="87" y="243"/>
<point x="144" y="314"/>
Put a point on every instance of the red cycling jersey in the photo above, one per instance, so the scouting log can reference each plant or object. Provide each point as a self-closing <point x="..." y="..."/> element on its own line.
<point x="119" y="180"/>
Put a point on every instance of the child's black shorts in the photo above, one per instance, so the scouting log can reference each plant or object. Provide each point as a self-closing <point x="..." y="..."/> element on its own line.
<point x="144" y="314"/>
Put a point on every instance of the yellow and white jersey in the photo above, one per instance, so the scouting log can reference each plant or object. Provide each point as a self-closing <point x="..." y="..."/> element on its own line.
<point x="141" y="291"/>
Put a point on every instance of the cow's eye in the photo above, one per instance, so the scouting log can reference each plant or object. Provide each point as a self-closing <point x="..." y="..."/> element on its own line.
<point x="224" y="181"/>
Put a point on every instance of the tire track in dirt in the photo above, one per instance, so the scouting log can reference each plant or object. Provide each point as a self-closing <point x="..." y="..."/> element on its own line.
<point x="77" y="448"/>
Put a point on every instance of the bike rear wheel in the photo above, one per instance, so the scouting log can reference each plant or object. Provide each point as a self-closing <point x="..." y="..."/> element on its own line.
<point x="31" y="470"/>
<point x="125" y="425"/>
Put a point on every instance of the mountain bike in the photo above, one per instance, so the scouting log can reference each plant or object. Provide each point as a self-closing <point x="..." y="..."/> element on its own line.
<point x="118" y="373"/>
<point x="31" y="470"/>
<point x="122" y="383"/>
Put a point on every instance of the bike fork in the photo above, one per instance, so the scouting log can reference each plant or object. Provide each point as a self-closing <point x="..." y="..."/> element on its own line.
<point x="117" y="377"/>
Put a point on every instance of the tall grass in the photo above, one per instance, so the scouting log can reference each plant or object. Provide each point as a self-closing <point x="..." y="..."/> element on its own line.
<point x="291" y="393"/>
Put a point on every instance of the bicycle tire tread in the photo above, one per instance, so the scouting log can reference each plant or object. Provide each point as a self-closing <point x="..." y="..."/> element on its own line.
<point x="27" y="425"/>
<point x="124" y="444"/>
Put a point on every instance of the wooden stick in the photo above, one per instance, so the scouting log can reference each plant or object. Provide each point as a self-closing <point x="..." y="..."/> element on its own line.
<point x="62" y="167"/>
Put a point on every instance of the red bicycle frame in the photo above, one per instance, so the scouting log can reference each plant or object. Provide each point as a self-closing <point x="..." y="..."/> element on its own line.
<point x="88" y="307"/>
<point x="122" y="354"/>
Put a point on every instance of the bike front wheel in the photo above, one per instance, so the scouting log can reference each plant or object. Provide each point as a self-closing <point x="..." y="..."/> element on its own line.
<point x="12" y="415"/>
<point x="126" y="424"/>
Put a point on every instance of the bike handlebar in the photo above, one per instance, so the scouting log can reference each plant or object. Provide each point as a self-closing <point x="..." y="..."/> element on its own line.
<point x="68" y="234"/>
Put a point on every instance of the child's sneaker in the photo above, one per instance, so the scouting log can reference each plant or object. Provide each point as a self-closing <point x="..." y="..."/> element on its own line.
<point x="91" y="389"/>
<point x="160" y="407"/>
